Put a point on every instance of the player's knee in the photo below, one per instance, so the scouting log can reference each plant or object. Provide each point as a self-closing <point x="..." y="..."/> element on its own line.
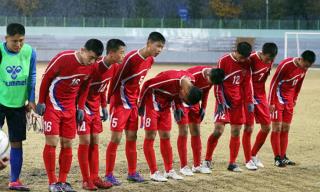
<point x="84" y="139"/>
<point x="235" y="132"/>
<point x="116" y="137"/>
<point x="164" y="134"/>
<point x="66" y="143"/>
<point x="217" y="133"/>
<point x="248" y="128"/>
<point x="183" y="130"/>
<point x="94" y="139"/>
<point x="52" y="140"/>
<point x="131" y="135"/>
<point x="265" y="128"/>
<point x="16" y="144"/>
<point x="150" y="134"/>
<point x="285" y="127"/>
<point x="195" y="132"/>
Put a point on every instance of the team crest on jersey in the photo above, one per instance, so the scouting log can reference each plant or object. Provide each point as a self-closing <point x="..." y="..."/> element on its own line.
<point x="14" y="71"/>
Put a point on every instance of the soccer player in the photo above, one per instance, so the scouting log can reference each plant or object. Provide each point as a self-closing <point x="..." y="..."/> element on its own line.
<point x="191" y="116"/>
<point x="88" y="150"/>
<point x="66" y="77"/>
<point x="229" y="102"/>
<point x="261" y="63"/>
<point x="17" y="86"/>
<point x="123" y="95"/>
<point x="156" y="97"/>
<point x="284" y="90"/>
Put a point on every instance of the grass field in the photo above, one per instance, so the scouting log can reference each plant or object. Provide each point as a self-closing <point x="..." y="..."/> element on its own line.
<point x="304" y="148"/>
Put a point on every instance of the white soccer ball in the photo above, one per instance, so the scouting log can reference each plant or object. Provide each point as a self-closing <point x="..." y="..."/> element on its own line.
<point x="4" y="145"/>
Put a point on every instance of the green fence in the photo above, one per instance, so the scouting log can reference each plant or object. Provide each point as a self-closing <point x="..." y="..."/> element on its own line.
<point x="161" y="23"/>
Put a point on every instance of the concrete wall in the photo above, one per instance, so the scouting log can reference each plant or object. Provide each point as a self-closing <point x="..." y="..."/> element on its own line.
<point x="183" y="45"/>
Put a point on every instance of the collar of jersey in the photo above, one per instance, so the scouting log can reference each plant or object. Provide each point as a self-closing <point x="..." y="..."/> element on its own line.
<point x="8" y="51"/>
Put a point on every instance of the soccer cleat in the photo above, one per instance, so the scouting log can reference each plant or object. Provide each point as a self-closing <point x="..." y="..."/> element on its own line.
<point x="114" y="181"/>
<point x="287" y="161"/>
<point x="279" y="162"/>
<point x="251" y="166"/>
<point x="207" y="164"/>
<point x="88" y="185"/>
<point x="67" y="187"/>
<point x="201" y="169"/>
<point x="101" y="184"/>
<point x="157" y="176"/>
<point x="136" y="177"/>
<point x="257" y="161"/>
<point x="18" y="186"/>
<point x="173" y="175"/>
<point x="55" y="187"/>
<point x="186" y="171"/>
<point x="234" y="167"/>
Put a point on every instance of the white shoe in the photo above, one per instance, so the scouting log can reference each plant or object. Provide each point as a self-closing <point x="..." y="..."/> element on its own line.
<point x="173" y="175"/>
<point x="207" y="164"/>
<point x="257" y="161"/>
<point x="186" y="171"/>
<point x="157" y="176"/>
<point x="201" y="169"/>
<point x="251" y="166"/>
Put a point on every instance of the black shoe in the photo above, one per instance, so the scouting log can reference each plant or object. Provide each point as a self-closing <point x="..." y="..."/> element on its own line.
<point x="234" y="167"/>
<point x="279" y="162"/>
<point x="67" y="187"/>
<point x="287" y="161"/>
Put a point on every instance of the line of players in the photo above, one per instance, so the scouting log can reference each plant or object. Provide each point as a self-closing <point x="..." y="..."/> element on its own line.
<point x="74" y="86"/>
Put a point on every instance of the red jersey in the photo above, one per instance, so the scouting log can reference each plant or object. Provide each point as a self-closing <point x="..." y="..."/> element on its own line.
<point x="286" y="82"/>
<point x="64" y="79"/>
<point x="164" y="88"/>
<point x="237" y="82"/>
<point x="201" y="82"/>
<point x="260" y="73"/>
<point x="125" y="86"/>
<point x="100" y="79"/>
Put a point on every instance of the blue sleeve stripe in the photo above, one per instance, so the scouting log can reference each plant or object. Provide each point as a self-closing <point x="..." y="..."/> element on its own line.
<point x="32" y="77"/>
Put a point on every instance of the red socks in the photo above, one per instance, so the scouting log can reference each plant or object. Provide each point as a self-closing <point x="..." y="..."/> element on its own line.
<point x="131" y="153"/>
<point x="275" y="142"/>
<point x="166" y="152"/>
<point x="111" y="157"/>
<point x="283" y="143"/>
<point x="260" y="139"/>
<point x="83" y="159"/>
<point x="65" y="160"/>
<point x="211" y="145"/>
<point x="94" y="161"/>
<point x="196" y="150"/>
<point x="234" y="146"/>
<point x="182" y="150"/>
<point x="246" y="143"/>
<point x="49" y="158"/>
<point x="150" y="155"/>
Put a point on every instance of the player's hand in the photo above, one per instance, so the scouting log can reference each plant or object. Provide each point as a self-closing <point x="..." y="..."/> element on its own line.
<point x="202" y="113"/>
<point x="80" y="116"/>
<point x="3" y="163"/>
<point x="105" y="114"/>
<point x="30" y="106"/>
<point x="271" y="108"/>
<point x="250" y="107"/>
<point x="141" y="111"/>
<point x="178" y="114"/>
<point x="40" y="108"/>
<point x="221" y="109"/>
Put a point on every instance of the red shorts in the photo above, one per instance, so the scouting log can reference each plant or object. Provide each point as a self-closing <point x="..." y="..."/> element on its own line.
<point x="233" y="115"/>
<point x="282" y="113"/>
<point x="156" y="120"/>
<point x="191" y="115"/>
<point x="91" y="125"/>
<point x="123" y="119"/>
<point x="62" y="123"/>
<point x="261" y="114"/>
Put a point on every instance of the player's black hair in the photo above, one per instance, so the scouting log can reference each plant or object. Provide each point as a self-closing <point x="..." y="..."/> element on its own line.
<point x="114" y="45"/>
<point x="244" y="49"/>
<point x="94" y="45"/>
<point x="194" y="96"/>
<point x="216" y="76"/>
<point x="309" y="56"/>
<point x="15" y="28"/>
<point x="270" y="49"/>
<point x="156" y="36"/>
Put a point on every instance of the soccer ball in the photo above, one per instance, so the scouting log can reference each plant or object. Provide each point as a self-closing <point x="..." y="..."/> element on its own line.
<point x="4" y="145"/>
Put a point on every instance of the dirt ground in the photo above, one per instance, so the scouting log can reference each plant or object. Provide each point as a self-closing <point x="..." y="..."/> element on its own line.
<point x="303" y="147"/>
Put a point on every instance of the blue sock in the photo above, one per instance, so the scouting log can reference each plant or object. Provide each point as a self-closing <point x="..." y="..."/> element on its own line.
<point x="15" y="163"/>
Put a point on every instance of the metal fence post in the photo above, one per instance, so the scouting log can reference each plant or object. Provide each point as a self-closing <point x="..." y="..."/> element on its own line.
<point x="240" y="24"/>
<point x="220" y="23"/>
<point x="181" y="23"/>
<point x="298" y="24"/>
<point x="279" y="24"/>
<point x="142" y="22"/>
<point x="201" y="24"/>
<point x="122" y="24"/>
<point x="162" y="22"/>
<point x="83" y="22"/>
<point x="259" y="23"/>
<point x="45" y="21"/>
<point x="64" y="21"/>
<point x="103" y="21"/>
<point x="25" y="20"/>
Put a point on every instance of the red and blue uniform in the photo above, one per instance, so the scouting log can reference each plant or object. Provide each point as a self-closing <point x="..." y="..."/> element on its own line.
<point x="64" y="79"/>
